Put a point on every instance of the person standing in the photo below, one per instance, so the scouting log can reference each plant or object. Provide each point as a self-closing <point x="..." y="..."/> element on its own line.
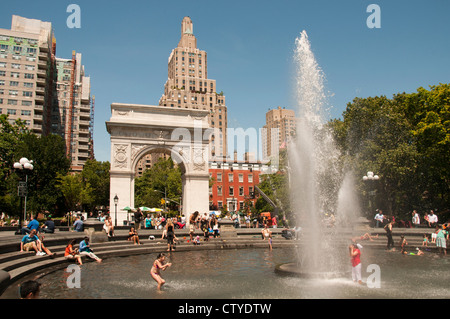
<point x="415" y="219"/>
<point x="441" y="241"/>
<point x="170" y="235"/>
<point x="137" y="219"/>
<point x="388" y="229"/>
<point x="159" y="265"/>
<point x="355" y="258"/>
<point x="267" y="234"/>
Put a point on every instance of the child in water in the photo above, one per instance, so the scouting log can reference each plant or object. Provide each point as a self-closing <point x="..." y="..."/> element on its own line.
<point x="159" y="265"/>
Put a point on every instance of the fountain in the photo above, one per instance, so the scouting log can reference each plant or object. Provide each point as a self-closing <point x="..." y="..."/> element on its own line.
<point x="316" y="177"/>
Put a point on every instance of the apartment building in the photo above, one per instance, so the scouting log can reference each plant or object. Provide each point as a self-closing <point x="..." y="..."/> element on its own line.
<point x="52" y="95"/>
<point x="188" y="86"/>
<point x="26" y="72"/>
<point x="71" y="115"/>
<point x="280" y="125"/>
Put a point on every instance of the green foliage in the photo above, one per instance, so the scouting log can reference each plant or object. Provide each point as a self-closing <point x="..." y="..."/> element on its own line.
<point x="162" y="177"/>
<point x="95" y="174"/>
<point x="406" y="141"/>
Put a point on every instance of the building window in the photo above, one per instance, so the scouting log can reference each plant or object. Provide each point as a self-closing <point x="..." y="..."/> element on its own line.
<point x="219" y="177"/>
<point x="25" y="112"/>
<point x="219" y="190"/>
<point x="231" y="191"/>
<point x="11" y="111"/>
<point x="27" y="93"/>
<point x="230" y="178"/>
<point x="241" y="178"/>
<point x="241" y="191"/>
<point x="250" y="178"/>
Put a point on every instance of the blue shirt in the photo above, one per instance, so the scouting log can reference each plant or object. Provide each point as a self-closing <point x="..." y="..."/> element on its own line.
<point x="83" y="246"/>
<point x="27" y="239"/>
<point x="78" y="225"/>
<point x="33" y="224"/>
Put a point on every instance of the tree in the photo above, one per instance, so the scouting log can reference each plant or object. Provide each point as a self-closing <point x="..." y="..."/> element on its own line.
<point x="406" y="140"/>
<point x="11" y="135"/>
<point x="162" y="177"/>
<point x="96" y="175"/>
<point x="49" y="160"/>
<point x="75" y="191"/>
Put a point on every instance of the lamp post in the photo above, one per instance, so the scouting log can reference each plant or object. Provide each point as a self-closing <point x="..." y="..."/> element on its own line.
<point x="116" y="200"/>
<point x="25" y="165"/>
<point x="370" y="177"/>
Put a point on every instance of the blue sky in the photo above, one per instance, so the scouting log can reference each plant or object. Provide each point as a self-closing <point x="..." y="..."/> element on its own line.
<point x="126" y="44"/>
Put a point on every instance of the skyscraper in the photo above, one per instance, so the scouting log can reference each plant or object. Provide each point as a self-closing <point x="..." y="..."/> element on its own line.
<point x="280" y="126"/>
<point x="52" y="95"/>
<point x="71" y="110"/>
<point x="188" y="86"/>
<point x="26" y="72"/>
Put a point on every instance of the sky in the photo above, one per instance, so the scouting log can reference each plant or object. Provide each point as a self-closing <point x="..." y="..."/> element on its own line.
<point x="125" y="47"/>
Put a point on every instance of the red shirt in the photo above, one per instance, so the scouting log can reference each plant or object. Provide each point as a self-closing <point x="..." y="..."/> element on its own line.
<point x="355" y="258"/>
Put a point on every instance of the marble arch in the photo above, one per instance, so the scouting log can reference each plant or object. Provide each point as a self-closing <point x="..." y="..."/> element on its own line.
<point x="138" y="129"/>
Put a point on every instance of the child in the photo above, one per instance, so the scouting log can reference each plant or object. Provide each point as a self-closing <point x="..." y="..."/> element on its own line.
<point x="425" y="240"/>
<point x="196" y="241"/>
<point x="159" y="265"/>
<point x="403" y="244"/>
<point x="434" y="236"/>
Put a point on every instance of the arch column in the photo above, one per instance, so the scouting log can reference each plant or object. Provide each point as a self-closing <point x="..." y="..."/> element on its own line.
<point x="195" y="194"/>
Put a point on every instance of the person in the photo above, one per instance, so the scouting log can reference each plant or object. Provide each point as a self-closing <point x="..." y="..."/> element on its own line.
<point x="267" y="234"/>
<point x="247" y="221"/>
<point x="366" y="236"/>
<point x="133" y="236"/>
<point x="355" y="258"/>
<point x="274" y="222"/>
<point x="204" y="226"/>
<point x="31" y="241"/>
<point x="49" y="226"/>
<point x="33" y="224"/>
<point x="379" y="217"/>
<point x="192" y="223"/>
<point x="43" y="248"/>
<point x="415" y="219"/>
<point x="434" y="235"/>
<point x="170" y="233"/>
<point x="70" y="253"/>
<point x="425" y="240"/>
<point x="78" y="225"/>
<point x="214" y="225"/>
<point x="157" y="266"/>
<point x="108" y="226"/>
<point x="30" y="289"/>
<point x="85" y="250"/>
<point x="432" y="219"/>
<point x="148" y="222"/>
<point x="137" y="219"/>
<point x="403" y="244"/>
<point x="388" y="229"/>
<point x="441" y="238"/>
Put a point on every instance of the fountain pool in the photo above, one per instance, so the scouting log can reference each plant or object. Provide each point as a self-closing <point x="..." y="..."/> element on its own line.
<point x="245" y="273"/>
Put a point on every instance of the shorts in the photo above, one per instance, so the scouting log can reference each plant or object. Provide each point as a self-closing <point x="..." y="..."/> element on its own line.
<point x="28" y="246"/>
<point x="441" y="242"/>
